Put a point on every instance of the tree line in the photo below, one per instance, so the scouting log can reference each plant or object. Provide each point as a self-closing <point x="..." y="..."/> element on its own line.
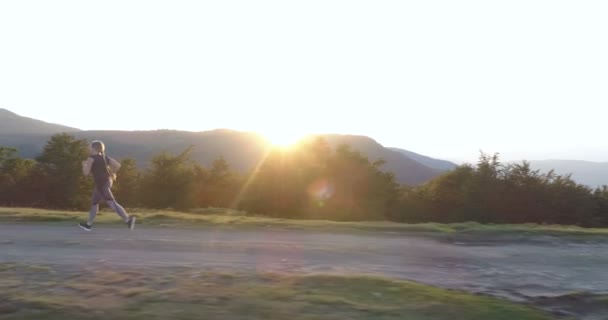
<point x="309" y="181"/>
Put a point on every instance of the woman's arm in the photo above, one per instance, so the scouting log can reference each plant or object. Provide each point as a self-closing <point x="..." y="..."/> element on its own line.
<point x="86" y="166"/>
<point x="114" y="165"/>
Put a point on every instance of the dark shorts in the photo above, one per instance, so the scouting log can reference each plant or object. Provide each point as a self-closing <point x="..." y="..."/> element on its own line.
<point x="102" y="192"/>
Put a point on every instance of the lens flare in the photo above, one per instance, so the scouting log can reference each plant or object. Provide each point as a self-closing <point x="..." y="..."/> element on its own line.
<point x="320" y="191"/>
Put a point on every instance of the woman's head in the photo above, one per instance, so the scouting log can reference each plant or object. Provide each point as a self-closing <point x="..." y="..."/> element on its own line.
<point x="97" y="147"/>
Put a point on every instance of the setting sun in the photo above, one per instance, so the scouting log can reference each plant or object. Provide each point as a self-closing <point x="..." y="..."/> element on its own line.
<point x="283" y="138"/>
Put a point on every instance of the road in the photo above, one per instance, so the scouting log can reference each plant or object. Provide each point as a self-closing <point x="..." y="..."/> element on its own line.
<point x="517" y="270"/>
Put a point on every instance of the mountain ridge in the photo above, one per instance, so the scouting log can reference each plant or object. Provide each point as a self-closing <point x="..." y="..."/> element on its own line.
<point x="242" y="150"/>
<point x="590" y="173"/>
<point x="14" y="123"/>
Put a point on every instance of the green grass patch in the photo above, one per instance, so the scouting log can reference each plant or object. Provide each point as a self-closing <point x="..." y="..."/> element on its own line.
<point x="235" y="219"/>
<point x="170" y="293"/>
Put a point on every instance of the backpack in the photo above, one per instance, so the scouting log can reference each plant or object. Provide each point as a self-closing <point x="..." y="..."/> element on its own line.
<point x="111" y="173"/>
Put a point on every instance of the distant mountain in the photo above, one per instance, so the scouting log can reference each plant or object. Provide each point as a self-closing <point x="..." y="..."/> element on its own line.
<point x="243" y="150"/>
<point x="13" y="123"/>
<point x="406" y="170"/>
<point x="427" y="161"/>
<point x="589" y="173"/>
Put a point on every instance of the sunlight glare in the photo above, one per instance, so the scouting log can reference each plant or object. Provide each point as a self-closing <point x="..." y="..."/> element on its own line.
<point x="283" y="138"/>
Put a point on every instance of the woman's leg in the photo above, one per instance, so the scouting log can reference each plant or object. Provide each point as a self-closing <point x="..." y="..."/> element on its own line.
<point x="97" y="197"/>
<point x="119" y="210"/>
<point x="111" y="201"/>
<point x="93" y="214"/>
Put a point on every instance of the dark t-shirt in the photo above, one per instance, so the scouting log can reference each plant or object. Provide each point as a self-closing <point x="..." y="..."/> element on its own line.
<point x="99" y="170"/>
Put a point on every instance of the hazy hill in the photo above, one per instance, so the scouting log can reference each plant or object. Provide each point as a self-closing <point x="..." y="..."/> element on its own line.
<point x="427" y="161"/>
<point x="243" y="150"/>
<point x="593" y="174"/>
<point x="406" y="170"/>
<point x="12" y="123"/>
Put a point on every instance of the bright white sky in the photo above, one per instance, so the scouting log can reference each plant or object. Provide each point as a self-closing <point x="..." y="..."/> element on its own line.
<point x="525" y="78"/>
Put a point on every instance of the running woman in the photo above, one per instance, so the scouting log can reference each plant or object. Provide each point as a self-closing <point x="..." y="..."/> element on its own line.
<point x="103" y="169"/>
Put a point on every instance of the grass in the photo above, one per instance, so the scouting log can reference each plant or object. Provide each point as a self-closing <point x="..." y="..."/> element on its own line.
<point x="103" y="292"/>
<point x="231" y="219"/>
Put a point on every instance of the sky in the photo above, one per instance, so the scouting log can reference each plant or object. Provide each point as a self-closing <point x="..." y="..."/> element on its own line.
<point x="528" y="79"/>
